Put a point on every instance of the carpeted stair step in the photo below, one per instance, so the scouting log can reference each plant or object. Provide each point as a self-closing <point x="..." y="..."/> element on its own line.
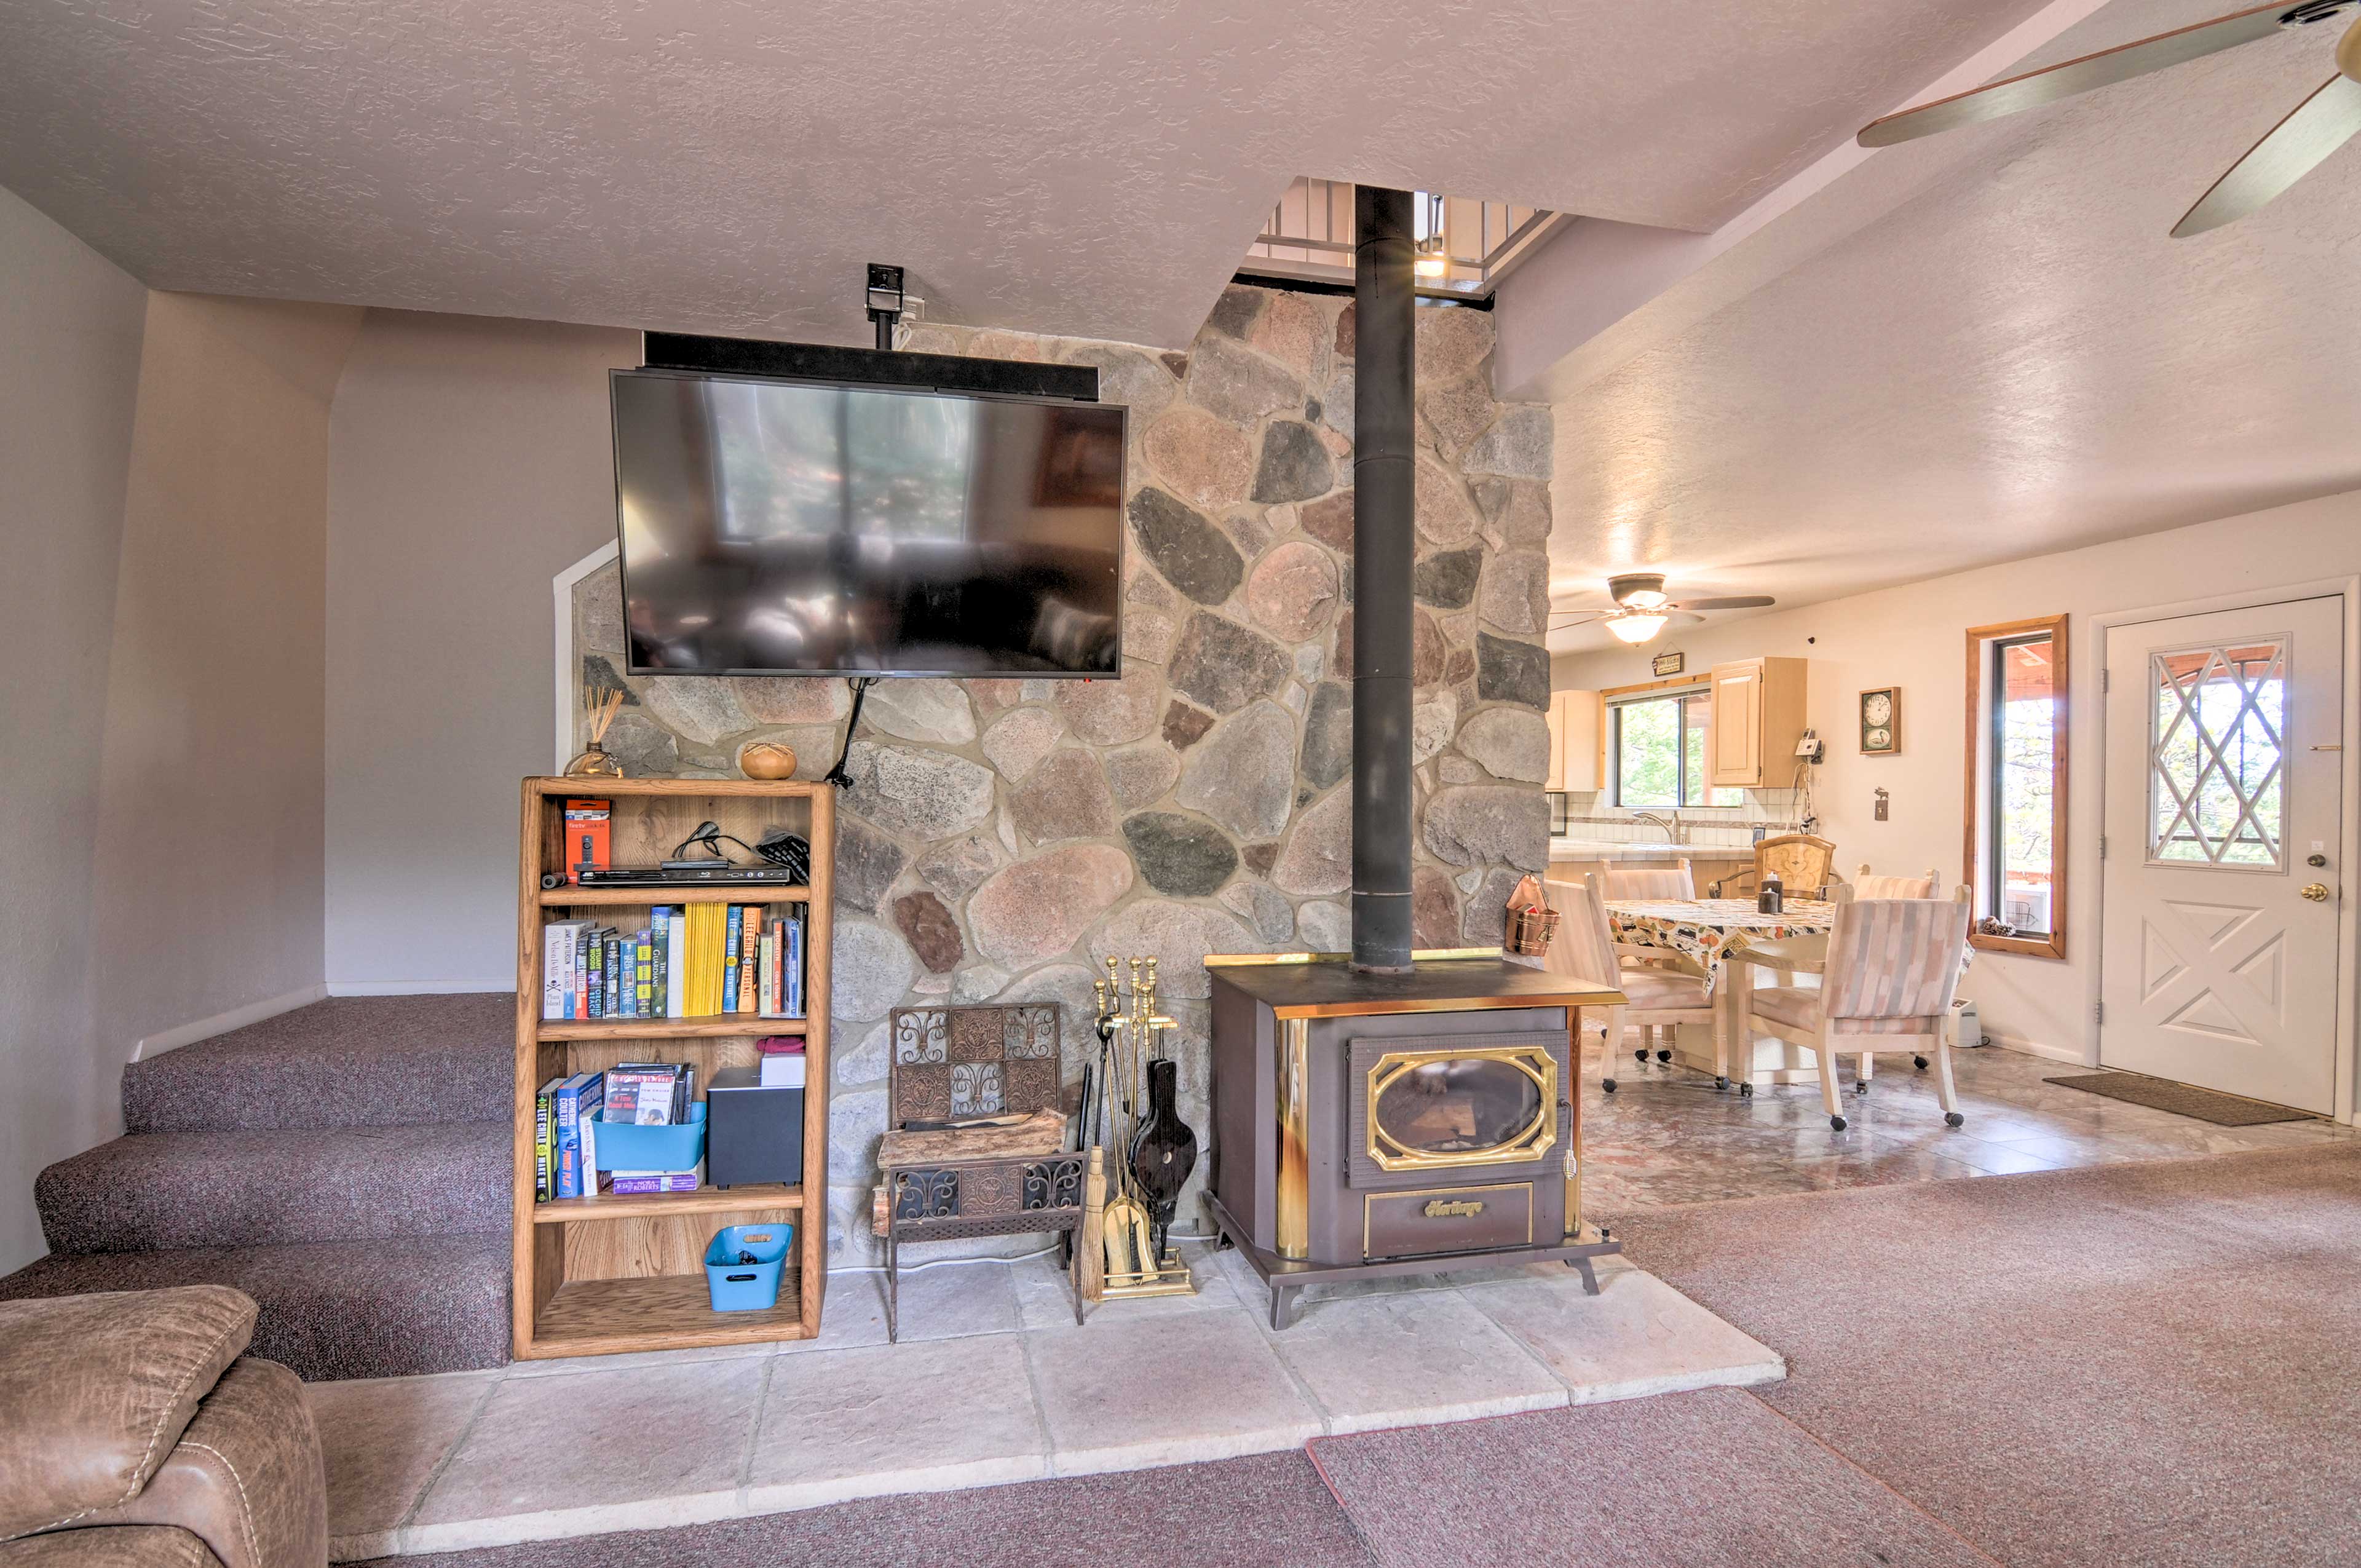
<point x="330" y="1310"/>
<point x="354" y="1061"/>
<point x="157" y="1192"/>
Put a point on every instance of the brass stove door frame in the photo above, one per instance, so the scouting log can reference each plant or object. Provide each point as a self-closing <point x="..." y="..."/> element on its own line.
<point x="1531" y="1144"/>
<point x="1292" y="1099"/>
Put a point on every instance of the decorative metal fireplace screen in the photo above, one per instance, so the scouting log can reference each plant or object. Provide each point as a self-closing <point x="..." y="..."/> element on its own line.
<point x="1435" y="1103"/>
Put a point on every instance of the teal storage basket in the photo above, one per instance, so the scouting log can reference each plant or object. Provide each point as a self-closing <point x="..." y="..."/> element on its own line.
<point x="625" y="1146"/>
<point x="747" y="1287"/>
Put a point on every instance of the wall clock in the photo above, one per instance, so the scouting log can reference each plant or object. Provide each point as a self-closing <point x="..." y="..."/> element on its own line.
<point x="1881" y="720"/>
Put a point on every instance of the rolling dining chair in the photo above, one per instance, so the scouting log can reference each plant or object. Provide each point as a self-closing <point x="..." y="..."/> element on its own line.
<point x="1675" y="882"/>
<point x="1931" y="881"/>
<point x="1788" y="957"/>
<point x="1585" y="945"/>
<point x="1650" y="882"/>
<point x="1891" y="968"/>
<point x="1803" y="861"/>
<point x="1866" y="885"/>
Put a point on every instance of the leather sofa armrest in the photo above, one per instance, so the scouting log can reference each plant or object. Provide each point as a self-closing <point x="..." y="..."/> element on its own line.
<point x="115" y="1546"/>
<point x="94" y="1390"/>
<point x="247" y="1477"/>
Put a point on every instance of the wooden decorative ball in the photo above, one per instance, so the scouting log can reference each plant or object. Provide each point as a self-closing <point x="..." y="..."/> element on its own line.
<point x="766" y="760"/>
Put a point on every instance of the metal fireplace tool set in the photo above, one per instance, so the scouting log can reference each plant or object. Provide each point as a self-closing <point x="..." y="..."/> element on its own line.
<point x="1129" y="1105"/>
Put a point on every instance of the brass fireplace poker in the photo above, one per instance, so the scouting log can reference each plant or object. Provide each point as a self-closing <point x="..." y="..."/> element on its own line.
<point x="1129" y="1035"/>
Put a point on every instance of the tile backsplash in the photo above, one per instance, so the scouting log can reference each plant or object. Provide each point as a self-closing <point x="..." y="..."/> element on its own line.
<point x="1583" y="816"/>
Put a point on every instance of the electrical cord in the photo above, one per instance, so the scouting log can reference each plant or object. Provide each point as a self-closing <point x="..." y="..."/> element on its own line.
<point x="838" y="775"/>
<point x="778" y="846"/>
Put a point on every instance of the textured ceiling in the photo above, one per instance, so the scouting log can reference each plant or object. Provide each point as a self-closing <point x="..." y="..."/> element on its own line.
<point x="728" y="165"/>
<point x="2016" y="360"/>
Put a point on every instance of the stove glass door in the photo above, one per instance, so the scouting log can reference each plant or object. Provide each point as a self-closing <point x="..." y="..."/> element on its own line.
<point x="1431" y="1109"/>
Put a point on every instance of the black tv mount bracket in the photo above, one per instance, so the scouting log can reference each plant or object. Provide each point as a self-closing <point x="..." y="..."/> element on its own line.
<point x="884" y="299"/>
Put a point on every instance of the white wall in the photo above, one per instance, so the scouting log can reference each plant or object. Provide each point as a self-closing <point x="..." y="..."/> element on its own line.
<point x="70" y="325"/>
<point x="210" y="862"/>
<point x="1913" y="637"/>
<point x="469" y="464"/>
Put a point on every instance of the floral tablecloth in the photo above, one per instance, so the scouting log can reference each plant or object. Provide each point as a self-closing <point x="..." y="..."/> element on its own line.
<point x="1709" y="929"/>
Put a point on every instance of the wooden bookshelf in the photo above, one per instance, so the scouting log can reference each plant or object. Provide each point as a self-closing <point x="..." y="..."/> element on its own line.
<point x="600" y="897"/>
<point x="766" y="1195"/>
<point x="606" y="1275"/>
<point x="721" y="1026"/>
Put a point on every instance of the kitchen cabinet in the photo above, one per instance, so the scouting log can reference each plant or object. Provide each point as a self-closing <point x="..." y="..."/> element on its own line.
<point x="1758" y="721"/>
<point x="1574" y="740"/>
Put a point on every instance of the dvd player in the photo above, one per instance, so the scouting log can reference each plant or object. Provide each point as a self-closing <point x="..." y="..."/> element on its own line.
<point x="678" y="876"/>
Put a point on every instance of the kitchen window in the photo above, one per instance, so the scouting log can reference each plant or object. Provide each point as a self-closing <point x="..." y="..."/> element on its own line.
<point x="2017" y="785"/>
<point x="1656" y="752"/>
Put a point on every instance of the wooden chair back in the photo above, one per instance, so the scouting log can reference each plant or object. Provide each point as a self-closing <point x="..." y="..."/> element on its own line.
<point x="1892" y="958"/>
<point x="954" y="1062"/>
<point x="1802" y="860"/>
<point x="1651" y="882"/>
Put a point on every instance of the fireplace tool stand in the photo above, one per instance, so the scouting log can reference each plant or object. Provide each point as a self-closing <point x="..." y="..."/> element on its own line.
<point x="1134" y="1225"/>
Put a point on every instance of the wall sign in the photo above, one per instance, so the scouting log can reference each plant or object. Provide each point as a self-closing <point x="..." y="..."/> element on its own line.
<point x="1668" y="663"/>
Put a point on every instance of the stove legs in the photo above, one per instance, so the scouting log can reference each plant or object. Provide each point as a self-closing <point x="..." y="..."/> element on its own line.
<point x="1589" y="1276"/>
<point x="1282" y="1306"/>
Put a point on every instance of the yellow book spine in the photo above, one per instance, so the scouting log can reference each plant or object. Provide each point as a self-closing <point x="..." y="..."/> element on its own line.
<point x="706" y="926"/>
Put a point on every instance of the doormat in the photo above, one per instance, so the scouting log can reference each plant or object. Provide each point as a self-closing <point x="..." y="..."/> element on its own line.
<point x="2182" y="1098"/>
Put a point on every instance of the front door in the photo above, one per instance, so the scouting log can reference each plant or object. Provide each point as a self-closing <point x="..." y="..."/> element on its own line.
<point x="2222" y="869"/>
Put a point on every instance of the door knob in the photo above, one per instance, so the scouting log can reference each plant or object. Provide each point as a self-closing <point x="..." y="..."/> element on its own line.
<point x="2317" y="893"/>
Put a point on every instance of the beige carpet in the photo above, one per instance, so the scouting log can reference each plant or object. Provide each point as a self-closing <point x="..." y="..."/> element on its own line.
<point x="2153" y="1365"/>
<point x="1711" y="1479"/>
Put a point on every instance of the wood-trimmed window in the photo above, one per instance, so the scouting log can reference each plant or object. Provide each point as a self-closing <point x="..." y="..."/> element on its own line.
<point x="1656" y="739"/>
<point x="2016" y="747"/>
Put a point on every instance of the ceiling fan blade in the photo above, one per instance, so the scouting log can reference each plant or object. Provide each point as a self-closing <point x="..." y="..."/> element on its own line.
<point x="2035" y="88"/>
<point x="1577" y="617"/>
<point x="1743" y="601"/>
<point x="2318" y="126"/>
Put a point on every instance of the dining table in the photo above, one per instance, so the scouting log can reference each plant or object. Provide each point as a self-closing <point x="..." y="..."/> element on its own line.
<point x="1708" y="933"/>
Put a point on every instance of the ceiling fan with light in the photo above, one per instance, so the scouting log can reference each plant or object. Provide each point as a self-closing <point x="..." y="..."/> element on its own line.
<point x="2314" y="128"/>
<point x="1643" y="608"/>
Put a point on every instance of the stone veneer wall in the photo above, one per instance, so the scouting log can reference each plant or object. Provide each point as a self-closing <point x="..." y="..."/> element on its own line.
<point x="1006" y="837"/>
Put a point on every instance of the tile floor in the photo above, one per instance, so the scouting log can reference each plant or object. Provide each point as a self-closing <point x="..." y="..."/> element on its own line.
<point x="1666" y="1137"/>
<point x="992" y="1383"/>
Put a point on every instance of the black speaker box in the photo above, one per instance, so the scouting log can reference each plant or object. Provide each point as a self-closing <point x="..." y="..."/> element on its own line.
<point x="753" y="1134"/>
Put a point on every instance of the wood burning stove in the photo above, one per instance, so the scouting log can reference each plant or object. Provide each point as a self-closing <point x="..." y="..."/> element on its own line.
<point x="1370" y="1125"/>
<point x="1404" y="1112"/>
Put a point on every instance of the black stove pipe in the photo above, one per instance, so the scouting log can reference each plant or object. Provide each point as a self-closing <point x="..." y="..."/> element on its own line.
<point x="1384" y="551"/>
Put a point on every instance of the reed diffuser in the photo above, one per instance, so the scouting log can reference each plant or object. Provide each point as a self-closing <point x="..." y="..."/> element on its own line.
<point x="599" y="710"/>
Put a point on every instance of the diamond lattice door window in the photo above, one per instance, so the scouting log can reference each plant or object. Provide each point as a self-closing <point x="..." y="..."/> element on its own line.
<point x="2216" y="770"/>
<point x="2220" y="913"/>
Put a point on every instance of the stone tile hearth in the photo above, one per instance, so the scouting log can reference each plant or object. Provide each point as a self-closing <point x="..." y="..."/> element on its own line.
<point x="993" y="1383"/>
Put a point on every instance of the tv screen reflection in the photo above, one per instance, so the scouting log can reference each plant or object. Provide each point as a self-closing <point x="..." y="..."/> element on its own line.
<point x="775" y="528"/>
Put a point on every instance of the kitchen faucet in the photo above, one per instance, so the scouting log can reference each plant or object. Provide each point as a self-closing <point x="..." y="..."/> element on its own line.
<point x="1671" y="828"/>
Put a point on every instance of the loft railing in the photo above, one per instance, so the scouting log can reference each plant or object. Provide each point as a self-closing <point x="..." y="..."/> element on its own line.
<point x="1309" y="237"/>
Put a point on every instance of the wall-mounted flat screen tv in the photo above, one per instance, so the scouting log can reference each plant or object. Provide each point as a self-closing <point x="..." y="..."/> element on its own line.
<point x="784" y="528"/>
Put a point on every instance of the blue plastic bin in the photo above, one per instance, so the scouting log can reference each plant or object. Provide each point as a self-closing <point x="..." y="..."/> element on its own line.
<point x="747" y="1287"/>
<point x="625" y="1146"/>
